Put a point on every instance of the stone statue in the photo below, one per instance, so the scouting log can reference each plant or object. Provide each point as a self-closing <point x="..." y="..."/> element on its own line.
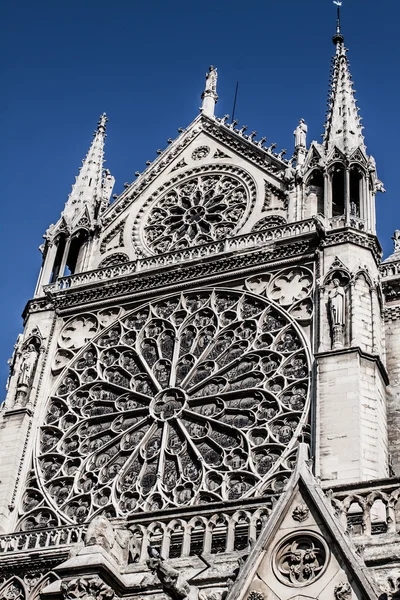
<point x="100" y="532"/>
<point x="337" y="303"/>
<point x="300" y="135"/>
<point x="396" y="240"/>
<point x="172" y="580"/>
<point x="211" y="80"/>
<point x="337" y="307"/>
<point x="28" y="363"/>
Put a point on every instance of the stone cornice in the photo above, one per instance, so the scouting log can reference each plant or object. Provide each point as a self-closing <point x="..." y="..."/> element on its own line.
<point x="366" y="355"/>
<point x="203" y="272"/>
<point x="348" y="235"/>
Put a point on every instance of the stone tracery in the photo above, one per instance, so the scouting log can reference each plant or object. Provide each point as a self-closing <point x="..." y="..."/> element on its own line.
<point x="203" y="208"/>
<point x="193" y="398"/>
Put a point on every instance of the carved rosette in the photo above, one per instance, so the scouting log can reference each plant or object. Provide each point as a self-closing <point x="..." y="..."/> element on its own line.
<point x="342" y="591"/>
<point x="194" y="398"/>
<point x="300" y="559"/>
<point x="209" y="204"/>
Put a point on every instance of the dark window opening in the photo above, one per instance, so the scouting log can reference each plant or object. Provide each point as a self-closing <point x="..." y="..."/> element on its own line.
<point x="355" y="185"/>
<point x="316" y="186"/>
<point x="338" y="180"/>
<point x="58" y="259"/>
<point x="75" y="254"/>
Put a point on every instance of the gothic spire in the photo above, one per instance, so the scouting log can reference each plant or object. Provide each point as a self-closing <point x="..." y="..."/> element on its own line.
<point x="88" y="191"/>
<point x="343" y="124"/>
<point x="209" y="96"/>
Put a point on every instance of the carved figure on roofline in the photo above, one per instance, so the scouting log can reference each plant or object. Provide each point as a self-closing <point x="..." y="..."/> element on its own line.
<point x="300" y="135"/>
<point x="172" y="580"/>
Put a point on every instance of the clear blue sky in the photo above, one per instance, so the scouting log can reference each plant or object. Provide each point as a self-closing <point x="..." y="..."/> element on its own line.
<point x="64" y="63"/>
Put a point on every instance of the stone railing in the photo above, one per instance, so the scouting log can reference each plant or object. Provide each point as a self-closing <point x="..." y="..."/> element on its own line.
<point x="226" y="531"/>
<point x="41" y="538"/>
<point x="368" y="511"/>
<point x="242" y="242"/>
<point x="339" y="222"/>
<point x="390" y="269"/>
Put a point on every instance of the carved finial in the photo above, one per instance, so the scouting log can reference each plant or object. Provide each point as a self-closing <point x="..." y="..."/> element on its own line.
<point x="209" y="96"/>
<point x="101" y="126"/>
<point x="261" y="142"/>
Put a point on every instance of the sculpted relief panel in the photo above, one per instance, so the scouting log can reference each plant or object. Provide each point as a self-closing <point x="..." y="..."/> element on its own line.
<point x="195" y="398"/>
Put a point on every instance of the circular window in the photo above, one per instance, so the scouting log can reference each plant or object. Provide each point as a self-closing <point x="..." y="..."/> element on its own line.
<point x="300" y="559"/>
<point x="194" y="398"/>
<point x="205" y="207"/>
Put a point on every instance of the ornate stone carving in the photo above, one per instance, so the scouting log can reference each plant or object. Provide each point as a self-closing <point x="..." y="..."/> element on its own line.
<point x="114" y="238"/>
<point x="13" y="590"/>
<point x="268" y="222"/>
<point x="78" y="331"/>
<point x="300" y="513"/>
<point x="219" y="154"/>
<point x="172" y="580"/>
<point x="114" y="259"/>
<point x="27" y="367"/>
<point x="86" y="589"/>
<point x="300" y="559"/>
<point x="255" y="595"/>
<point x="200" y="152"/>
<point x="201" y="209"/>
<point x="100" y="532"/>
<point x="221" y="375"/>
<point x="342" y="591"/>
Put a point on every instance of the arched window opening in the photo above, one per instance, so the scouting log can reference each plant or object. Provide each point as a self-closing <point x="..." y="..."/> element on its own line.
<point x="378" y="517"/>
<point x="315" y="192"/>
<point x="58" y="259"/>
<point x="76" y="253"/>
<point x="241" y="534"/>
<point x="355" y="192"/>
<point x="176" y="541"/>
<point x="338" y="182"/>
<point x="355" y="518"/>
<point x="197" y="539"/>
<point x="219" y="536"/>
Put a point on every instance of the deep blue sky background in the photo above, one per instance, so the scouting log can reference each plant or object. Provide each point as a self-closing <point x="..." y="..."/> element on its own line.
<point x="64" y="63"/>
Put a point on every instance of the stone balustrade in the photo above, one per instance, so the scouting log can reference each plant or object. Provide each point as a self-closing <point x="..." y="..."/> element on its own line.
<point x="242" y="242"/>
<point x="368" y="511"/>
<point x="41" y="538"/>
<point x="390" y="269"/>
<point x="226" y="531"/>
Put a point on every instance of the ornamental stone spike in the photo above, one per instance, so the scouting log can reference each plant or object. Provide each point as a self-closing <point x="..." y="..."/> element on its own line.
<point x="209" y="96"/>
<point x="343" y="124"/>
<point x="92" y="184"/>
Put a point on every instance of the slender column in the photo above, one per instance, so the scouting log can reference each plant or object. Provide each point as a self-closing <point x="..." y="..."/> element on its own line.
<point x="64" y="260"/>
<point x="347" y="197"/>
<point x="47" y="267"/>
<point x="326" y="195"/>
<point x="374" y="324"/>
<point x="352" y="314"/>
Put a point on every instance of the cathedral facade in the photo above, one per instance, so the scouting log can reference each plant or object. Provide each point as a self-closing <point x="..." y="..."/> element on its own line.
<point x="204" y="401"/>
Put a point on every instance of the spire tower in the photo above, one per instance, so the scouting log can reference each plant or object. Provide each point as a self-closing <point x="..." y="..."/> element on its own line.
<point x="209" y="96"/>
<point x="343" y="127"/>
<point x="87" y="190"/>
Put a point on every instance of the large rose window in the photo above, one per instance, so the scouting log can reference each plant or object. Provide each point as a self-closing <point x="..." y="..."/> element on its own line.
<point x="204" y="208"/>
<point x="194" y="398"/>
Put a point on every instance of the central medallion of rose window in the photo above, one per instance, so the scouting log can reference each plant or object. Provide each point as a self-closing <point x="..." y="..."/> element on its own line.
<point x="202" y="209"/>
<point x="168" y="405"/>
<point x="195" y="398"/>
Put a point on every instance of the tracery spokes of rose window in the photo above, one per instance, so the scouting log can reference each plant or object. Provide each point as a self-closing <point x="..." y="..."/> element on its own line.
<point x="194" y="398"/>
<point x="202" y="209"/>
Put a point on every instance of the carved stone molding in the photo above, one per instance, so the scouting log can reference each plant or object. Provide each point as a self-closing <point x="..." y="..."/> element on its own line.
<point x="342" y="591"/>
<point x="86" y="588"/>
<point x="300" y="513"/>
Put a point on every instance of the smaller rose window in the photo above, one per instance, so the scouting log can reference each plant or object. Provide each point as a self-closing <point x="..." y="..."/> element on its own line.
<point x="202" y="209"/>
<point x="301" y="559"/>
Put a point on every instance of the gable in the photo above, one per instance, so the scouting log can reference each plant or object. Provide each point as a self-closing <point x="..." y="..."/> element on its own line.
<point x="207" y="153"/>
<point x="302" y="552"/>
